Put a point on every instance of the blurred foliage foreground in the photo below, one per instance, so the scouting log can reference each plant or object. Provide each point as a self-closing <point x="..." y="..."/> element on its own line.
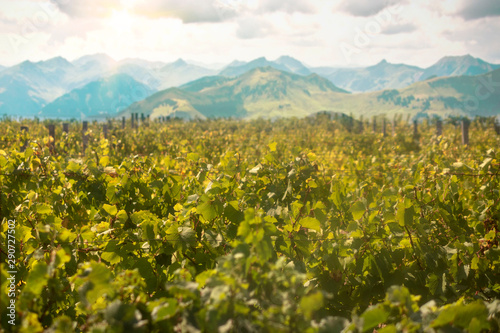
<point x="231" y="226"/>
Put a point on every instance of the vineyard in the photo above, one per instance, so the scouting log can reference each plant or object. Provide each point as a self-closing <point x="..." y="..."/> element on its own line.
<point x="291" y="225"/>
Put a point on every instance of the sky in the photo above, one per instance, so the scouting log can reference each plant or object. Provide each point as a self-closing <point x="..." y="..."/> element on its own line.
<point x="340" y="33"/>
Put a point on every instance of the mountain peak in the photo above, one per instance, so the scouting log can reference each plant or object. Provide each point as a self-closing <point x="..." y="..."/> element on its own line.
<point x="101" y="58"/>
<point x="466" y="57"/>
<point x="261" y="61"/>
<point x="56" y="61"/>
<point x="179" y="62"/>
<point x="236" y="63"/>
<point x="284" y="59"/>
<point x="458" y="66"/>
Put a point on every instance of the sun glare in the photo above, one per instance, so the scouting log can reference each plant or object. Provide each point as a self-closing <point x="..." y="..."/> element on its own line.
<point x="121" y="20"/>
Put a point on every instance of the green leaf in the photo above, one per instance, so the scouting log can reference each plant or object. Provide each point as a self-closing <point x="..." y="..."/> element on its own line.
<point x="373" y="317"/>
<point x="112" y="253"/>
<point x="73" y="167"/>
<point x="405" y="215"/>
<point x="465" y="314"/>
<point x="187" y="235"/>
<point x="209" y="209"/>
<point x="37" y="278"/>
<point x="264" y="249"/>
<point x="193" y="157"/>
<point x="358" y="210"/>
<point x="104" y="161"/>
<point x="477" y="325"/>
<point x="311" y="303"/>
<point x="43" y="209"/>
<point x="166" y="310"/>
<point x="111" y="257"/>
<point x="388" y="329"/>
<point x="111" y="210"/>
<point x="146" y="270"/>
<point x="96" y="278"/>
<point x="310" y="223"/>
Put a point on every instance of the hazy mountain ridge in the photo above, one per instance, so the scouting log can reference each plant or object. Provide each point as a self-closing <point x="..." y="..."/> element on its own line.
<point x="378" y="77"/>
<point x="283" y="63"/>
<point x="385" y="75"/>
<point x="28" y="87"/>
<point x="458" y="66"/>
<point x="102" y="98"/>
<point x="267" y="92"/>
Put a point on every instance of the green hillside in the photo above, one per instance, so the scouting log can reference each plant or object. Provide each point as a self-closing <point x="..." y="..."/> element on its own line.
<point x="439" y="96"/>
<point x="261" y="92"/>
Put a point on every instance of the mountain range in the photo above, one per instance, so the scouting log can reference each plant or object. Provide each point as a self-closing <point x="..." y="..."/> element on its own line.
<point x="385" y="75"/>
<point x="98" y="99"/>
<point x="57" y="87"/>
<point x="378" y="77"/>
<point x="284" y="63"/>
<point x="259" y="92"/>
<point x="268" y="92"/>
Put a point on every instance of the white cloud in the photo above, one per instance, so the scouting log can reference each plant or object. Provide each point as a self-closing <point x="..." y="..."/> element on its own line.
<point x="86" y="8"/>
<point x="189" y="11"/>
<point x="289" y="6"/>
<point x="253" y="27"/>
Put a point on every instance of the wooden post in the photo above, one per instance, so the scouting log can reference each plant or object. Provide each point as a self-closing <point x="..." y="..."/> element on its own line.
<point x="110" y="124"/>
<point x="374" y="124"/>
<point x="85" y="138"/>
<point x="52" y="137"/>
<point x="496" y="125"/>
<point x="465" y="131"/>
<point x="105" y="130"/>
<point x="132" y="119"/>
<point x="123" y="122"/>
<point x="439" y="127"/>
<point x="136" y="120"/>
<point x="24" y="131"/>
<point x="65" y="127"/>
<point x="394" y="126"/>
<point x="415" y="128"/>
<point x="384" y="127"/>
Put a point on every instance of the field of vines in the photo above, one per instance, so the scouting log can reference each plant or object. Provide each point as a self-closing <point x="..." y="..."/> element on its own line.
<point x="292" y="225"/>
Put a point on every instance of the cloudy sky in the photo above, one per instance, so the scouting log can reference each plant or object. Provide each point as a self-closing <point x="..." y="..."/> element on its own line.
<point x="317" y="32"/>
